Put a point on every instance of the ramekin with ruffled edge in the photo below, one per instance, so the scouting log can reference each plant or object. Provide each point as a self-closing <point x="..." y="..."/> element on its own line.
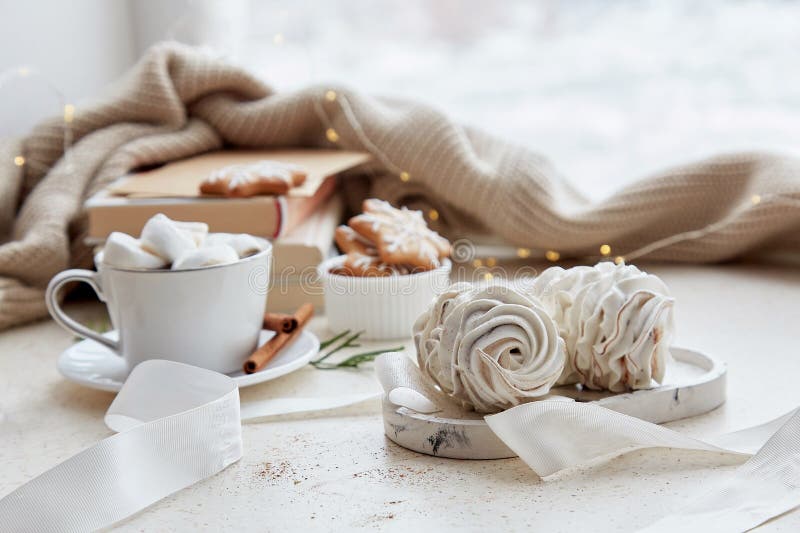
<point x="381" y="307"/>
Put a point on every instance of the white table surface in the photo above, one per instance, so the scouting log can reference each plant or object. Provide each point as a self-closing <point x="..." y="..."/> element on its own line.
<point x="336" y="470"/>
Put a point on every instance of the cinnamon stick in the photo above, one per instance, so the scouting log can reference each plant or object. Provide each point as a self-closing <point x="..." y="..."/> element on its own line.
<point x="272" y="347"/>
<point x="280" y="322"/>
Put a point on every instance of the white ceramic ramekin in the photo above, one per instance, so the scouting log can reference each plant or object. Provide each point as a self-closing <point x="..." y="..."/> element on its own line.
<point x="383" y="308"/>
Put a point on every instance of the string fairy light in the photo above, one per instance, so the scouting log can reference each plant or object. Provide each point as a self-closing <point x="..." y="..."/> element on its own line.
<point x="69" y="113"/>
<point x="524" y="253"/>
<point x="331" y="96"/>
<point x="687" y="236"/>
<point x="331" y="135"/>
<point x="711" y="228"/>
<point x="552" y="256"/>
<point x="358" y="130"/>
<point x="24" y="72"/>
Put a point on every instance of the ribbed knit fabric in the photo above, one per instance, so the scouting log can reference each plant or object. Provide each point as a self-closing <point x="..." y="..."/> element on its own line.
<point x="178" y="102"/>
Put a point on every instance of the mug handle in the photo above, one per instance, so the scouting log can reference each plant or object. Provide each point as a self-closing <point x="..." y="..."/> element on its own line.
<point x="51" y="298"/>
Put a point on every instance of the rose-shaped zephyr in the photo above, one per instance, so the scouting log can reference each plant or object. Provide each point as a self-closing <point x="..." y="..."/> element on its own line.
<point x="490" y="347"/>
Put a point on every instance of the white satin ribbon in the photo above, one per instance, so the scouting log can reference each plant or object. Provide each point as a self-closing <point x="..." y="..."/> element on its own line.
<point x="765" y="487"/>
<point x="552" y="436"/>
<point x="177" y="424"/>
<point x="555" y="436"/>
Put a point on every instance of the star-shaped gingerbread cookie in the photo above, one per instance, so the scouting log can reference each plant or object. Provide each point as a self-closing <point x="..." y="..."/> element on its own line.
<point x="349" y="241"/>
<point x="400" y="235"/>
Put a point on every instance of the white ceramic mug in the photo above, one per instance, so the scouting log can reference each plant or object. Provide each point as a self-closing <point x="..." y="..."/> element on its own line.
<point x="209" y="317"/>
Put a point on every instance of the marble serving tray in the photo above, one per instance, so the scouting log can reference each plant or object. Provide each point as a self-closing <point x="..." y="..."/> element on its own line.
<point x="694" y="384"/>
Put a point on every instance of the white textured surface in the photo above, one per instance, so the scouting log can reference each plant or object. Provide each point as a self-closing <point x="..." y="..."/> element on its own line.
<point x="327" y="472"/>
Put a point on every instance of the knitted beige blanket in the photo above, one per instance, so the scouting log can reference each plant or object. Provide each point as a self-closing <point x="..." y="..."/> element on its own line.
<point x="178" y="102"/>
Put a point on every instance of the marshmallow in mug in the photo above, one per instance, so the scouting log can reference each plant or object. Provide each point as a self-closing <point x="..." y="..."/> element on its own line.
<point x="122" y="250"/>
<point x="184" y="245"/>
<point x="166" y="238"/>
<point x="206" y="256"/>
<point x="197" y="230"/>
<point x="244" y="244"/>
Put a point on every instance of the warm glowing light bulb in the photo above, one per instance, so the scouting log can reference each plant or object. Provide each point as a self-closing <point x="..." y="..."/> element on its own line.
<point x="331" y="134"/>
<point x="491" y="262"/>
<point x="19" y="160"/>
<point x="330" y="96"/>
<point x="552" y="255"/>
<point x="69" y="113"/>
<point x="477" y="263"/>
<point x="523" y="253"/>
<point x="488" y="276"/>
<point x="405" y="176"/>
<point x="605" y="249"/>
<point x="433" y="214"/>
<point x="756" y="199"/>
<point x="619" y="260"/>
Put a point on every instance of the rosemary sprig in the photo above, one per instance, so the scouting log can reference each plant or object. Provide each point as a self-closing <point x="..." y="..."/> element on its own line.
<point x="325" y="344"/>
<point x="355" y="360"/>
<point x="349" y="342"/>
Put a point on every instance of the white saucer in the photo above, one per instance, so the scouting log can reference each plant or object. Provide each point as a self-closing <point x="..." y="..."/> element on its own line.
<point x="93" y="365"/>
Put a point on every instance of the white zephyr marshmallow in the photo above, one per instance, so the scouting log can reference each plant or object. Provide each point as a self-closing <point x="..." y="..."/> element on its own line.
<point x="244" y="244"/>
<point x="165" y="238"/>
<point x="122" y="250"/>
<point x="617" y="323"/>
<point x="205" y="257"/>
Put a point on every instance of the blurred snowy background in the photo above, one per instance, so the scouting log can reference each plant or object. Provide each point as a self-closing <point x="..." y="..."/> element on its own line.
<point x="610" y="91"/>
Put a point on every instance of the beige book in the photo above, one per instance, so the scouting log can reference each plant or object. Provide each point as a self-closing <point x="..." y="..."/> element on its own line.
<point x="294" y="280"/>
<point x="302" y="249"/>
<point x="173" y="189"/>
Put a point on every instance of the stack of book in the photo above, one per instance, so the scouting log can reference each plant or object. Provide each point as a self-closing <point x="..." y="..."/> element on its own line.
<point x="300" y="225"/>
